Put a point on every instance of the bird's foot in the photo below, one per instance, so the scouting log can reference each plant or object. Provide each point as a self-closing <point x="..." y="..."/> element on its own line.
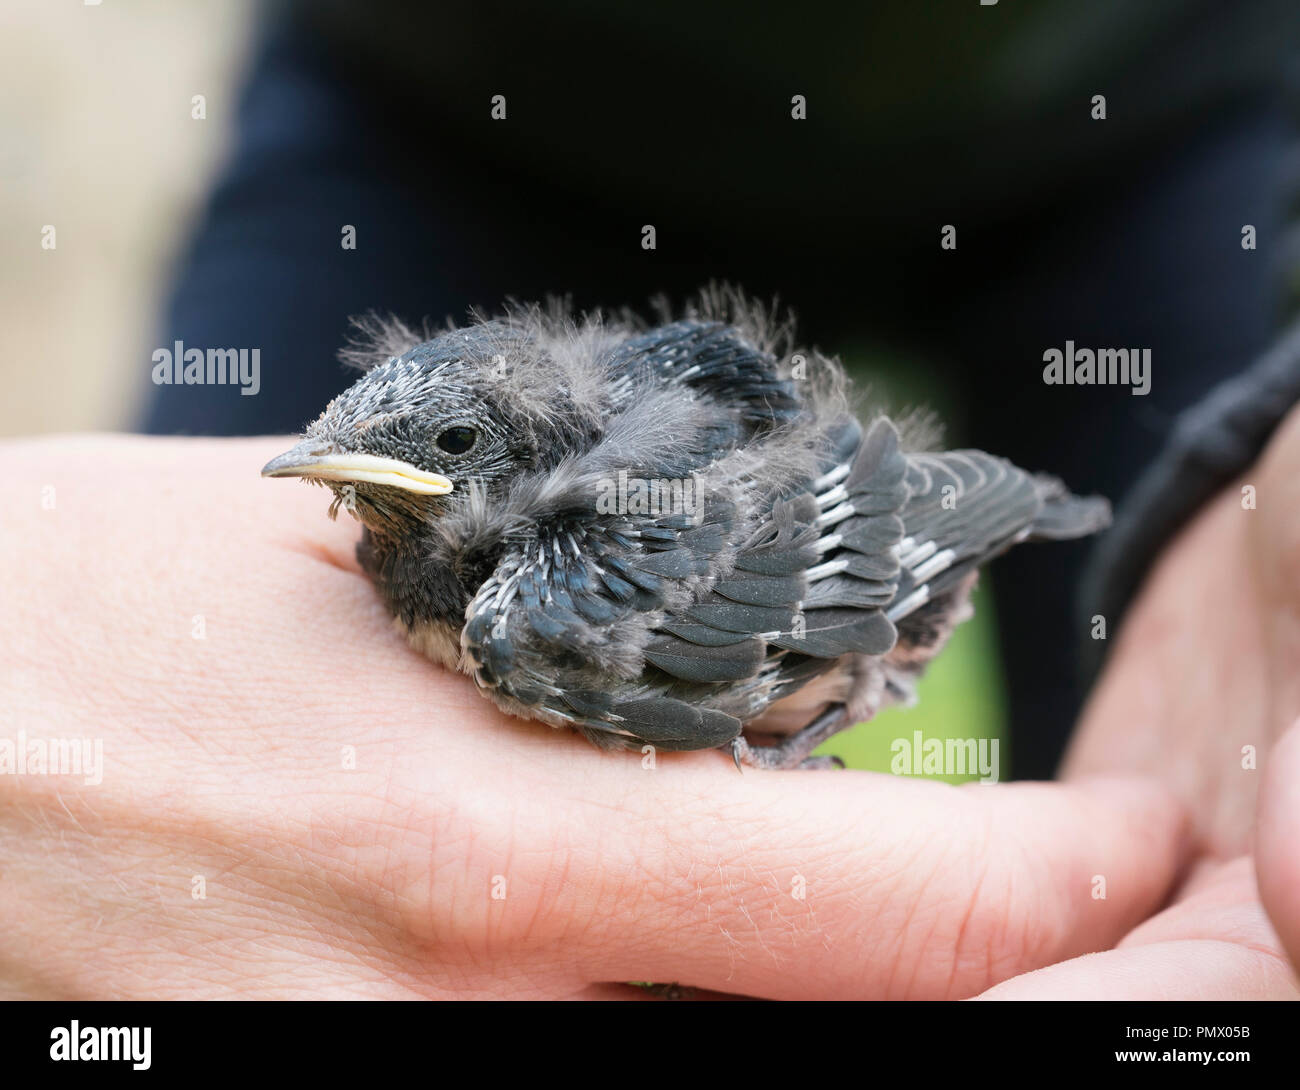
<point x="795" y="751"/>
<point x="819" y="763"/>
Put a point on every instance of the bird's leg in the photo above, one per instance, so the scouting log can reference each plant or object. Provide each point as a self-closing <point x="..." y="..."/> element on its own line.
<point x="794" y="751"/>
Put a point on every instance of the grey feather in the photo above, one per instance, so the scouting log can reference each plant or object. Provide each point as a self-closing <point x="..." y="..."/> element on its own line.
<point x="672" y="627"/>
<point x="780" y="591"/>
<point x="693" y="662"/>
<point x="830" y="633"/>
<point x="672" y="724"/>
<point x="735" y="617"/>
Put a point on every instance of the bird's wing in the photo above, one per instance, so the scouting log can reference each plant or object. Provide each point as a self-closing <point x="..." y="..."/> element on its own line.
<point x="674" y="629"/>
<point x="713" y="359"/>
<point x="815" y="577"/>
<point x="964" y="507"/>
<point x="561" y="626"/>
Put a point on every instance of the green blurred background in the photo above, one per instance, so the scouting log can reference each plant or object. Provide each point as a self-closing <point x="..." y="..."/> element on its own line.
<point x="961" y="696"/>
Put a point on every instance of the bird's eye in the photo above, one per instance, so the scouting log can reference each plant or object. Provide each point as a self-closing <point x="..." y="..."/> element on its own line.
<point x="457" y="440"/>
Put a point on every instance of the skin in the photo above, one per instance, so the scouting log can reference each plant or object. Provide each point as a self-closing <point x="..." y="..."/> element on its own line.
<point x="1202" y="691"/>
<point x="1207" y="662"/>
<point x="224" y="758"/>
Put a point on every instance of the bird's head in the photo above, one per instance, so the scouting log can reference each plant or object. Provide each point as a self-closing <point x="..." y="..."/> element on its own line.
<point x="437" y="420"/>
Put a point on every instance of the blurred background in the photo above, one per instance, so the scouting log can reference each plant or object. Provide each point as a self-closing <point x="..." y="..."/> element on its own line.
<point x="1096" y="162"/>
<point x="98" y="141"/>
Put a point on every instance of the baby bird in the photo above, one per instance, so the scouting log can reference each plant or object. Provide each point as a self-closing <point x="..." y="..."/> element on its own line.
<point x="662" y="535"/>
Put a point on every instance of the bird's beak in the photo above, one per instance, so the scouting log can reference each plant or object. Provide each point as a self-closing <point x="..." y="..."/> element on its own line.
<point x="311" y="458"/>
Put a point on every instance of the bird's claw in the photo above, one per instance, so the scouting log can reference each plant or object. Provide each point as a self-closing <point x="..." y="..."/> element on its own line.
<point x="796" y="750"/>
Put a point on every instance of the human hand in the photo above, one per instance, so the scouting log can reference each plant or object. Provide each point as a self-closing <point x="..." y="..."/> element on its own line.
<point x="225" y="773"/>
<point x="1201" y="684"/>
<point x="1205" y="673"/>
<point x="1215" y="941"/>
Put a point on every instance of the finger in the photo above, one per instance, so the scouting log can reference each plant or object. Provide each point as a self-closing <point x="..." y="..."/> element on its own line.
<point x="847" y="884"/>
<point x="1276" y="835"/>
<point x="1215" y="944"/>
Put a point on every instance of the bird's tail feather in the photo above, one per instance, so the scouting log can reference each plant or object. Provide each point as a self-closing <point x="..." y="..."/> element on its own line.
<point x="1065" y="515"/>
